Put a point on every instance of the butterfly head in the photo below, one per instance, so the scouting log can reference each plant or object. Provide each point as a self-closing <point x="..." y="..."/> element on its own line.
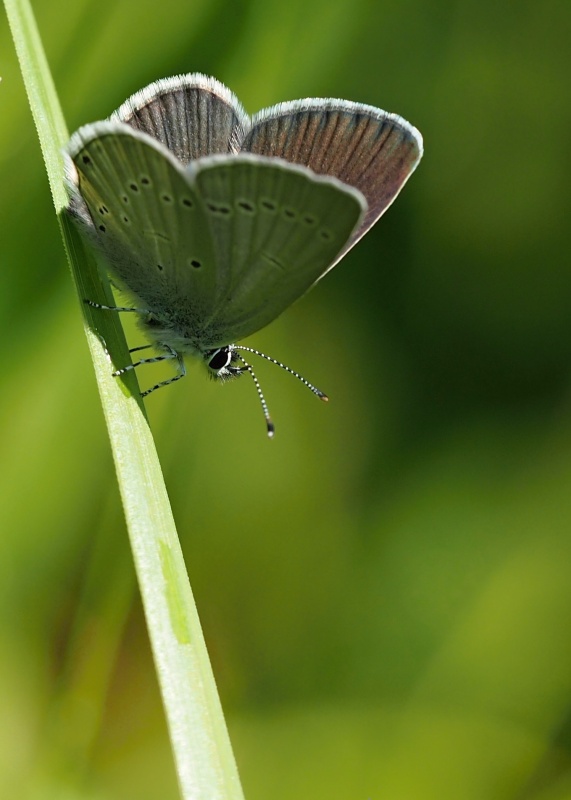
<point x="222" y="363"/>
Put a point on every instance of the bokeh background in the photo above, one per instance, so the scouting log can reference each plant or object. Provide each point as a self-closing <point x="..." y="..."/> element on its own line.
<point x="386" y="587"/>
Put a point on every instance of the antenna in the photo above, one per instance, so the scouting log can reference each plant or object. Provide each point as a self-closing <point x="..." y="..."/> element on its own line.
<point x="314" y="389"/>
<point x="248" y="368"/>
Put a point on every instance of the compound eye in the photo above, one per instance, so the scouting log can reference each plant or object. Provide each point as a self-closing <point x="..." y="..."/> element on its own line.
<point x="220" y="358"/>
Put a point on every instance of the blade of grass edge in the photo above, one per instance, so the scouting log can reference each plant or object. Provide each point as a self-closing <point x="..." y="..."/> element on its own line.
<point x="203" y="755"/>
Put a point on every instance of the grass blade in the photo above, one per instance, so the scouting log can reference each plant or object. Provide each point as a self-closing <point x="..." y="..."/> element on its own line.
<point x="203" y="755"/>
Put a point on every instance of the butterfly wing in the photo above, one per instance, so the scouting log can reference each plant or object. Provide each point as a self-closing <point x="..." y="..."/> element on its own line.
<point x="142" y="211"/>
<point x="219" y="249"/>
<point x="275" y="229"/>
<point x="362" y="146"/>
<point x="191" y="115"/>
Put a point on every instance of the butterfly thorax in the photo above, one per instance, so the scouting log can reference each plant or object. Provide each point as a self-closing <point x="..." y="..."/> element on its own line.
<point x="171" y="334"/>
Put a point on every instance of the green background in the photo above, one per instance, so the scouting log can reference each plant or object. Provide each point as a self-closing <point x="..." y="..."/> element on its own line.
<point x="384" y="588"/>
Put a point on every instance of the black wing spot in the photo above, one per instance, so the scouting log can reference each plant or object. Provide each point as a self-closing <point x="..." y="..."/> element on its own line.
<point x="196" y="264"/>
<point x="160" y="267"/>
<point x="245" y="205"/>
<point x="124" y="198"/>
<point x="268" y="205"/>
<point x="186" y="202"/>
<point x="145" y="180"/>
<point x="218" y="209"/>
<point x="290" y="213"/>
<point x="103" y="210"/>
<point x="309" y="220"/>
<point x="166" y="198"/>
<point x="325" y="234"/>
<point x="86" y="159"/>
<point x="102" y="228"/>
<point x="133" y="187"/>
<point x="126" y="220"/>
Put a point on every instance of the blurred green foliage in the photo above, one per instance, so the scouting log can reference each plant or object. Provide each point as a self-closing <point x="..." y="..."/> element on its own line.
<point x="385" y="588"/>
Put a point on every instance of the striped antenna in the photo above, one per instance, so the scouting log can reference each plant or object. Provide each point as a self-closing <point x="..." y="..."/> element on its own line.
<point x="314" y="389"/>
<point x="248" y="368"/>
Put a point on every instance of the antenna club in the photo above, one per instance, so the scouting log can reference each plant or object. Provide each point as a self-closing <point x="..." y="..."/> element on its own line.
<point x="271" y="429"/>
<point x="324" y="398"/>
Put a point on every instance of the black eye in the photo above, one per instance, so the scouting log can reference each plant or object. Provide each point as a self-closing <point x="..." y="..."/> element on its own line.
<point x="219" y="359"/>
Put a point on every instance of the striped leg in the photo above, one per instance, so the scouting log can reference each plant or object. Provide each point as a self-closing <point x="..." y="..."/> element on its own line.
<point x="171" y="354"/>
<point x="93" y="304"/>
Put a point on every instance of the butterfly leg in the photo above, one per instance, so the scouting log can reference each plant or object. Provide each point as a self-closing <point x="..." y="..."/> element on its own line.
<point x="180" y="374"/>
<point x="171" y="354"/>
<point x="93" y="304"/>
<point x="140" y="347"/>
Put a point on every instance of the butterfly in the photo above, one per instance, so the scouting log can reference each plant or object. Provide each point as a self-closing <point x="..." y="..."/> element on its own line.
<point x="213" y="222"/>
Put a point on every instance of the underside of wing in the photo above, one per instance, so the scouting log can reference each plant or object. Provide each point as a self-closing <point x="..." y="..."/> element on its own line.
<point x="276" y="228"/>
<point x="147" y="219"/>
<point x="192" y="115"/>
<point x="362" y="146"/>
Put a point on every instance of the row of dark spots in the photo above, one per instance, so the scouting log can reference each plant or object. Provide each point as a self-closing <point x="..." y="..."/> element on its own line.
<point x="145" y="181"/>
<point x="194" y="263"/>
<point x="243" y="205"/>
<point x="126" y="220"/>
<point x="103" y="210"/>
<point x="267" y="205"/>
<point x="166" y="198"/>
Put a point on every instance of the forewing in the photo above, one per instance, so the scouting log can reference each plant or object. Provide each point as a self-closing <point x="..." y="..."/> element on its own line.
<point x="146" y="218"/>
<point x="362" y="146"/>
<point x="275" y="228"/>
<point x="192" y="115"/>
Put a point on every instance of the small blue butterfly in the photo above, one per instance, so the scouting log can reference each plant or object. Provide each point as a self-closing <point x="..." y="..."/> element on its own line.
<point x="215" y="222"/>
